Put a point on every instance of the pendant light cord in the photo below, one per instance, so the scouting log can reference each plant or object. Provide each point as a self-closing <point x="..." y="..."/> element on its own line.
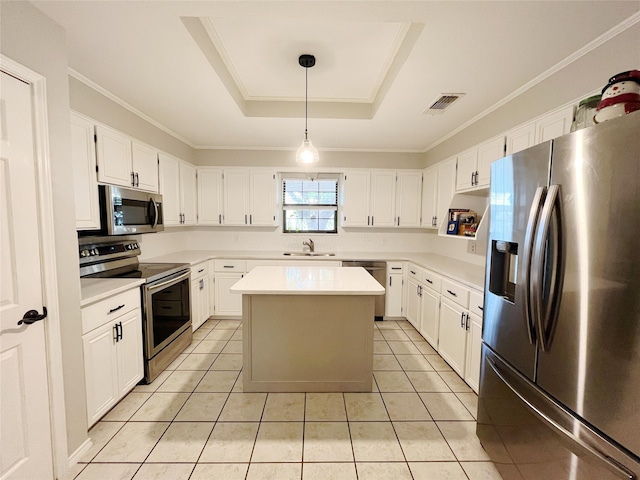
<point x="306" y="100"/>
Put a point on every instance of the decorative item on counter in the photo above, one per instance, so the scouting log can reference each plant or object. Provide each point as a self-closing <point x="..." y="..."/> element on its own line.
<point x="620" y="96"/>
<point x="585" y="113"/>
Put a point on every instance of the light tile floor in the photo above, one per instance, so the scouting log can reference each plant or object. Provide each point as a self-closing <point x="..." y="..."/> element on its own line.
<point x="194" y="421"/>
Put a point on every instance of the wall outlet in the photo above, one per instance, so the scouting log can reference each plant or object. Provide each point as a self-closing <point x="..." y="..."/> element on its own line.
<point x="235" y="238"/>
<point x="472" y="247"/>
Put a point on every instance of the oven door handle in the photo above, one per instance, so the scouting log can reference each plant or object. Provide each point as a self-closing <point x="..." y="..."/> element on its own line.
<point x="171" y="281"/>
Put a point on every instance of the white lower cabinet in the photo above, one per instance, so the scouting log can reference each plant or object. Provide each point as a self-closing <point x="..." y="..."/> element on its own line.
<point x="430" y="316"/>
<point x="393" y="295"/>
<point x="413" y="302"/>
<point x="112" y="347"/>
<point x="474" y="352"/>
<point x="200" y="291"/>
<point x="452" y="337"/>
<point x="226" y="274"/>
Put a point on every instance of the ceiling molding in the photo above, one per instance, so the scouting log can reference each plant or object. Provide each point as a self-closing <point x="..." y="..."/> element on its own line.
<point x="290" y="149"/>
<point x="90" y="83"/>
<point x="602" y="39"/>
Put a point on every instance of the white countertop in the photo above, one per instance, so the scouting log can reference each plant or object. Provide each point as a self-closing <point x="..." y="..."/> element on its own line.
<point x="466" y="273"/>
<point x="308" y="281"/>
<point x="96" y="289"/>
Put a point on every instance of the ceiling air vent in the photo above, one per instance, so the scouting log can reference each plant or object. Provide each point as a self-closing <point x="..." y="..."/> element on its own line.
<point x="442" y="103"/>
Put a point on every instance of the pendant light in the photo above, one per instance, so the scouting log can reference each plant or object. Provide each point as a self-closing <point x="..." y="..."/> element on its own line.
<point x="307" y="153"/>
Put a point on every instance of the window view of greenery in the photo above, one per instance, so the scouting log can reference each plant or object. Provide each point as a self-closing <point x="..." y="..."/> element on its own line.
<point x="310" y="206"/>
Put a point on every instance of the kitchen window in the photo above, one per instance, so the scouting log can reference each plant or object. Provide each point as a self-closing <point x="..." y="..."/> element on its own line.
<point x="310" y="204"/>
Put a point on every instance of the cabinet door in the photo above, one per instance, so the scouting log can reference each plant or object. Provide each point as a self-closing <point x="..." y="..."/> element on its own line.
<point x="199" y="301"/>
<point x="113" y="154"/>
<point x="393" y="298"/>
<point x="85" y="184"/>
<point x="236" y="208"/>
<point x="430" y="316"/>
<point x="474" y="352"/>
<point x="452" y="336"/>
<point x="467" y="163"/>
<point x="129" y="352"/>
<point x="170" y="189"/>
<point x="554" y="124"/>
<point x="429" y="197"/>
<point x="446" y="184"/>
<point x="413" y="302"/>
<point x="263" y="198"/>
<point x="355" y="199"/>
<point x="408" y="199"/>
<point x="100" y="371"/>
<point x="209" y="196"/>
<point x="188" y="193"/>
<point x="487" y="153"/>
<point x="227" y="303"/>
<point x="145" y="166"/>
<point x="383" y="198"/>
<point x="521" y="138"/>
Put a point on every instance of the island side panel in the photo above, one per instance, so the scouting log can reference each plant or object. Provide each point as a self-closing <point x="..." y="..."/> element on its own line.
<point x="308" y="343"/>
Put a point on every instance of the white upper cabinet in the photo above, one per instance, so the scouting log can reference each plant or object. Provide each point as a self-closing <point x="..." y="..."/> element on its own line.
<point x="355" y="199"/>
<point x="178" y="189"/>
<point x="262" y="197"/>
<point x="209" y="196"/>
<point x="521" y="138"/>
<point x="408" y="198"/>
<point x="125" y="162"/>
<point x="145" y="166"/>
<point x="83" y="157"/>
<point x="474" y="165"/>
<point x="554" y="124"/>
<point x="383" y="198"/>
<point x="437" y="192"/>
<point x="429" y="195"/>
<point x="249" y="197"/>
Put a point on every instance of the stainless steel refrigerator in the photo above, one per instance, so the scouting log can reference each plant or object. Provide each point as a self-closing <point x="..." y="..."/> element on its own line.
<point x="559" y="393"/>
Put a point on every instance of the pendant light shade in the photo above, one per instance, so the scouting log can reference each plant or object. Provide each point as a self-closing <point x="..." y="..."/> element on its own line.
<point x="307" y="153"/>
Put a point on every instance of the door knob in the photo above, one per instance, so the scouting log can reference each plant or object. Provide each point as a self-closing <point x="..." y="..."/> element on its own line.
<point x="33" y="316"/>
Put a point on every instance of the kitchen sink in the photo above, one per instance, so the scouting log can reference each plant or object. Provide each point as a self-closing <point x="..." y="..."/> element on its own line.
<point x="308" y="254"/>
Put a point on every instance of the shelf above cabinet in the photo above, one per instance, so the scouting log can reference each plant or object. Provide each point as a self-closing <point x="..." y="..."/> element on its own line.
<point x="476" y="201"/>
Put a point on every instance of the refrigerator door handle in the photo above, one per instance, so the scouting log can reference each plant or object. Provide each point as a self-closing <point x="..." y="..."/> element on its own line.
<point x="546" y="315"/>
<point x="532" y="226"/>
<point x="611" y="464"/>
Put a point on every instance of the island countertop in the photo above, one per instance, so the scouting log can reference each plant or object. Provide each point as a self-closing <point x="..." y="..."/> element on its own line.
<point x="308" y="281"/>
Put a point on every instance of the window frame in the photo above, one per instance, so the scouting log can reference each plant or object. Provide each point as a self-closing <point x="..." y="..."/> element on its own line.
<point x="331" y="207"/>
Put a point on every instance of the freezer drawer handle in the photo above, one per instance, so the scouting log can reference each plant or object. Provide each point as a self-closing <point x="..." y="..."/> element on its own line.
<point x="613" y="465"/>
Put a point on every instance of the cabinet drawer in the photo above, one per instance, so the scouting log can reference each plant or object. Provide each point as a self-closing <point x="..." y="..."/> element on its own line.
<point x="230" y="265"/>
<point x="395" y="267"/>
<point x="415" y="272"/>
<point x="455" y="292"/>
<point x="109" y="309"/>
<point x="476" y="300"/>
<point x="200" y="270"/>
<point x="431" y="280"/>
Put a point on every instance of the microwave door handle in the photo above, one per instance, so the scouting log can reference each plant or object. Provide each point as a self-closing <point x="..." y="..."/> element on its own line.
<point x="155" y="214"/>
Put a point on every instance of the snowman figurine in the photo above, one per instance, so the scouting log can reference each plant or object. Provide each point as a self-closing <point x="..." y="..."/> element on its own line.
<point x="620" y="96"/>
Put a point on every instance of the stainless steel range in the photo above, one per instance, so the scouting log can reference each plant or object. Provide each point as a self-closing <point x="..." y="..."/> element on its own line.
<point x="165" y="297"/>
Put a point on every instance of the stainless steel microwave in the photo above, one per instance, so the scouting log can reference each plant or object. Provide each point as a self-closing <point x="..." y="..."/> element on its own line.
<point x="125" y="211"/>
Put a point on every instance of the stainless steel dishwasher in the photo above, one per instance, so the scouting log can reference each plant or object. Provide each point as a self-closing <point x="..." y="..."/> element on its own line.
<point x="378" y="270"/>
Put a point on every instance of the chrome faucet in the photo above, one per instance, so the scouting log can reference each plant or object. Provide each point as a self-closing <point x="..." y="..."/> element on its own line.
<point x="309" y="244"/>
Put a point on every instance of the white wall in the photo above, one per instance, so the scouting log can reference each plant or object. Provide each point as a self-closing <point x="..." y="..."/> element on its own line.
<point x="34" y="40"/>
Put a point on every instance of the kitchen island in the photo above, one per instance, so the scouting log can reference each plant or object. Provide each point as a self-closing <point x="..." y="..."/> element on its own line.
<point x="307" y="329"/>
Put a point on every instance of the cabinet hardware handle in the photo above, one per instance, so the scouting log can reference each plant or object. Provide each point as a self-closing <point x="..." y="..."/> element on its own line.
<point x="389" y="280"/>
<point x="133" y="179"/>
<point x="201" y="270"/>
<point x="398" y="221"/>
<point x="412" y="272"/>
<point x="201" y="284"/>
<point x="115" y="333"/>
<point x="462" y="320"/>
<point x="467" y="324"/>
<point x="117" y="308"/>
<point x="245" y="218"/>
<point x="228" y="266"/>
<point x="428" y="281"/>
<point x="452" y="293"/>
<point x="220" y="218"/>
<point x="120" y="328"/>
<point x="250" y="219"/>
<point x="396" y="268"/>
<point x="481" y="308"/>
<point x="137" y="180"/>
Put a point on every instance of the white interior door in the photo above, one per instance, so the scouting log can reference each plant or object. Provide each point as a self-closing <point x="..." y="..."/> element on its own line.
<point x="25" y="429"/>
